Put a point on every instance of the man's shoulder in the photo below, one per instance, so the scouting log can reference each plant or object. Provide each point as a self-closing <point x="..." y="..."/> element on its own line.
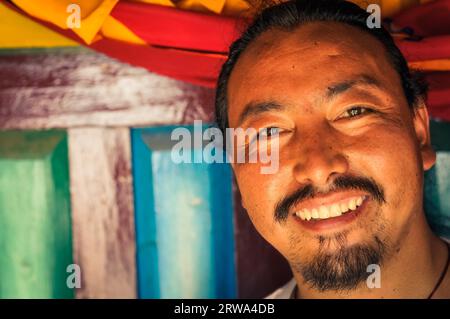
<point x="283" y="292"/>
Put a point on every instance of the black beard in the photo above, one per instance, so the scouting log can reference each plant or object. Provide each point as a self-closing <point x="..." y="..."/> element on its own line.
<point x="344" y="269"/>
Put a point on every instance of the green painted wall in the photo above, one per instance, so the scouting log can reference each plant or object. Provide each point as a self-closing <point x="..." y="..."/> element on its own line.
<point x="35" y="229"/>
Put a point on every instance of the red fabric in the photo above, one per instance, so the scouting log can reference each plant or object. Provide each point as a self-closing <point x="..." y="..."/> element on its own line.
<point x="182" y="35"/>
<point x="189" y="66"/>
<point x="171" y="27"/>
<point x="430" y="48"/>
<point x="193" y="67"/>
<point x="429" y="19"/>
<point x="439" y="96"/>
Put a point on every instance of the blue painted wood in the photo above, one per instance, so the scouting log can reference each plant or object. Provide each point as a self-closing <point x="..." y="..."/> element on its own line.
<point x="437" y="195"/>
<point x="184" y="218"/>
<point x="146" y="243"/>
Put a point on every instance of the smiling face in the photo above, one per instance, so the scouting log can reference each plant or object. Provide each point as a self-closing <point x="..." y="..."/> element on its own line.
<point x="351" y="152"/>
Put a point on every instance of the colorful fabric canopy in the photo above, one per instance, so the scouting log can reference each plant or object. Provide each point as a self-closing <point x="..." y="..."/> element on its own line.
<point x="189" y="39"/>
<point x="430" y="51"/>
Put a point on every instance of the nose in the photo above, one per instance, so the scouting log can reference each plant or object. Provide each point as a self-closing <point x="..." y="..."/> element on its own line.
<point x="320" y="160"/>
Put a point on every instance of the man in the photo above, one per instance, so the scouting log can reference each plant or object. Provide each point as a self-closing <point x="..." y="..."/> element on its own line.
<point x="352" y="134"/>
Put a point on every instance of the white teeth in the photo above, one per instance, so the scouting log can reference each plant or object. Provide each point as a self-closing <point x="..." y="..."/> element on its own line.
<point x="359" y="201"/>
<point x="323" y="212"/>
<point x="344" y="207"/>
<point x="307" y="215"/>
<point x="301" y="214"/>
<point x="352" y="204"/>
<point x="334" y="210"/>
<point x="315" y="213"/>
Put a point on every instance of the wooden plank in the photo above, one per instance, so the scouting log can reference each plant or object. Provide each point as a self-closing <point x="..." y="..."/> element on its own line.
<point x="102" y="212"/>
<point x="184" y="222"/>
<point x="78" y="88"/>
<point x="35" y="231"/>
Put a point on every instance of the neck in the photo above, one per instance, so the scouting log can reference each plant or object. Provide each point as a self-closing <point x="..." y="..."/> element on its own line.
<point x="411" y="270"/>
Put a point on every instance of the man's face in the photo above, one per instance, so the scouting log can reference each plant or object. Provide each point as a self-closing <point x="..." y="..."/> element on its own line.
<point x="349" y="148"/>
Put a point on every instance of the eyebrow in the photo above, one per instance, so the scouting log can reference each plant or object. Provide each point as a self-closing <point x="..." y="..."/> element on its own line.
<point x="253" y="109"/>
<point x="341" y="87"/>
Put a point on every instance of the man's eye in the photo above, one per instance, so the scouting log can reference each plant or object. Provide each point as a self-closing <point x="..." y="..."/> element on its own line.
<point x="269" y="131"/>
<point x="356" y="111"/>
<point x="266" y="133"/>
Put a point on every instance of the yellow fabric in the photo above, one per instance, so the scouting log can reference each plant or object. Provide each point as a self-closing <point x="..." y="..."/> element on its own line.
<point x="96" y="21"/>
<point x="235" y="7"/>
<point x="114" y="29"/>
<point x="17" y="31"/>
<point x="159" y="2"/>
<point x="227" y="7"/>
<point x="92" y="24"/>
<point x="389" y="7"/>
<point x="215" y="6"/>
<point x="431" y="65"/>
<point x="93" y="14"/>
<point x="55" y="11"/>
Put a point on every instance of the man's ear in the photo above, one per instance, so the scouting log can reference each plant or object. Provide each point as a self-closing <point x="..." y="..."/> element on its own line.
<point x="422" y="129"/>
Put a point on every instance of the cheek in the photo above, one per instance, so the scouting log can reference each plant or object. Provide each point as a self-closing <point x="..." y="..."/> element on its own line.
<point x="260" y="194"/>
<point x="392" y="159"/>
<point x="253" y="198"/>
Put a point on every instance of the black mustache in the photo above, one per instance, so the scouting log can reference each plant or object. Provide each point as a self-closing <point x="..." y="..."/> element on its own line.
<point x="340" y="183"/>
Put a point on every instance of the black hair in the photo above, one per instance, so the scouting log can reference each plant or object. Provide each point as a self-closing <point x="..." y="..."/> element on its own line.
<point x="290" y="15"/>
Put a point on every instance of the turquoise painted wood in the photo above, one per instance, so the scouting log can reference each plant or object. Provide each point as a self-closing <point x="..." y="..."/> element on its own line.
<point x="184" y="221"/>
<point x="437" y="195"/>
<point x="437" y="181"/>
<point x="35" y="228"/>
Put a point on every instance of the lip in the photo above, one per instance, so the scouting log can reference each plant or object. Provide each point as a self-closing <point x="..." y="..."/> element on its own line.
<point x="334" y="222"/>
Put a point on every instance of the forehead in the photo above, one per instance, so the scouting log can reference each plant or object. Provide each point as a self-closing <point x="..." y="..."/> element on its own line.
<point x="299" y="65"/>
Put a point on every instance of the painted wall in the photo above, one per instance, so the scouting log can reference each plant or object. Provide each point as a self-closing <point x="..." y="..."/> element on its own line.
<point x="129" y="209"/>
<point x="35" y="226"/>
<point x="184" y="218"/>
